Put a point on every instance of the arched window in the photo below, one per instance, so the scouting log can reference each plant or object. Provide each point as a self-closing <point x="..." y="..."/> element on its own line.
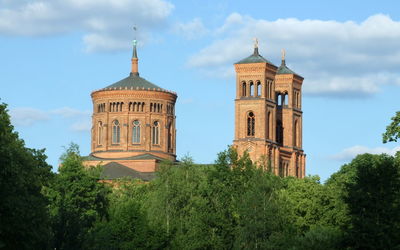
<point x="169" y="137"/>
<point x="116" y="132"/>
<point x="250" y="124"/>
<point x="268" y="125"/>
<point x="269" y="92"/>
<point x="99" y="133"/>
<point x="156" y="133"/>
<point x="279" y="99"/>
<point x="251" y="89"/>
<point x="296" y="134"/>
<point x="286" y="99"/>
<point x="258" y="88"/>
<point x="244" y="89"/>
<point x="136" y="132"/>
<point x="279" y="132"/>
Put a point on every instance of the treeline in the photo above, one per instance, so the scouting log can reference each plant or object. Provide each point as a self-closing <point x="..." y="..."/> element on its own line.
<point x="231" y="204"/>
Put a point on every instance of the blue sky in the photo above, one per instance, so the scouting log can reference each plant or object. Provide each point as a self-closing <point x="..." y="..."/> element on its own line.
<point x="55" y="53"/>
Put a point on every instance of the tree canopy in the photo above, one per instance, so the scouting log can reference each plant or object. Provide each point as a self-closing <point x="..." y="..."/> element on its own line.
<point x="24" y="222"/>
<point x="392" y="132"/>
<point x="231" y="204"/>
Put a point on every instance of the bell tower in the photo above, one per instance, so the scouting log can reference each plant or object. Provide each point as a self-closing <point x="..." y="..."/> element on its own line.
<point x="268" y="116"/>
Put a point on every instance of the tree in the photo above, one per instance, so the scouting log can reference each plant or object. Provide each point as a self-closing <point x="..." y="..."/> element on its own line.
<point x="177" y="203"/>
<point x="264" y="219"/>
<point x="127" y="226"/>
<point x="77" y="198"/>
<point x="314" y="204"/>
<point x="392" y="130"/>
<point x="373" y="200"/>
<point x="24" y="221"/>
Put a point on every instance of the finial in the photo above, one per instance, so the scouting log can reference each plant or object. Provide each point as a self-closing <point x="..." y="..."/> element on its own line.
<point x="255" y="42"/>
<point x="134" y="70"/>
<point x="283" y="54"/>
<point x="255" y="46"/>
<point x="134" y="55"/>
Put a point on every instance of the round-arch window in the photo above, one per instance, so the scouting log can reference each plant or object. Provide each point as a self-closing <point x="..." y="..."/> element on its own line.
<point x="116" y="132"/>
<point x="156" y="133"/>
<point x="250" y="124"/>
<point x="136" y="132"/>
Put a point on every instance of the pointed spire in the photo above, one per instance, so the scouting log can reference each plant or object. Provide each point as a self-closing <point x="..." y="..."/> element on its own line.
<point x="135" y="59"/>
<point x="283" y="57"/>
<point x="255" y="46"/>
<point x="134" y="54"/>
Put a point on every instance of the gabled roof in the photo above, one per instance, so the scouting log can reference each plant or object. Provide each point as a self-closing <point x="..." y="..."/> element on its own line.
<point x="114" y="170"/>
<point x="254" y="58"/>
<point x="133" y="81"/>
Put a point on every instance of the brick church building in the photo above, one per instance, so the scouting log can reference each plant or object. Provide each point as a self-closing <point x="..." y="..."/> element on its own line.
<point x="133" y="121"/>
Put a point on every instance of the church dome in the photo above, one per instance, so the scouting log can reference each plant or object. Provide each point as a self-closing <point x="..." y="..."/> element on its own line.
<point x="133" y="81"/>
<point x="133" y="124"/>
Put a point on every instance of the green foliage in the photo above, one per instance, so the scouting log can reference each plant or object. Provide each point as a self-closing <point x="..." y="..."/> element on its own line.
<point x="77" y="201"/>
<point x="392" y="130"/>
<point x="319" y="237"/>
<point x="373" y="199"/>
<point x="314" y="204"/>
<point x="24" y="222"/>
<point x="177" y="205"/>
<point x="127" y="226"/>
<point x="232" y="204"/>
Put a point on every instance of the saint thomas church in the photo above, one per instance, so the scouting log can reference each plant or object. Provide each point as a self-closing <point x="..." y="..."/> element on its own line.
<point x="133" y="121"/>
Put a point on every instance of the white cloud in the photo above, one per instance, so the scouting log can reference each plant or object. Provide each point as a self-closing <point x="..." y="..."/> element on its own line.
<point x="67" y="112"/>
<point x="84" y="125"/>
<point x="101" y="21"/>
<point x="336" y="58"/>
<point x="349" y="153"/>
<point x="191" y="30"/>
<point x="27" y="116"/>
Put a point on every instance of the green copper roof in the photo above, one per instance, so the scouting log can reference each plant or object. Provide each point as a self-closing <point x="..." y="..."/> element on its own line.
<point x="145" y="156"/>
<point x="254" y="58"/>
<point x="133" y="81"/>
<point x="283" y="69"/>
<point x="114" y="170"/>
